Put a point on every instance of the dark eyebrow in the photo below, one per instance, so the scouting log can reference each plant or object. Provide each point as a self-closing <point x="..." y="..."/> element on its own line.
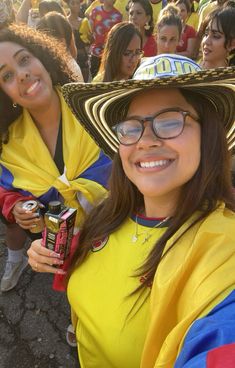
<point x="14" y="56"/>
<point x="214" y="30"/>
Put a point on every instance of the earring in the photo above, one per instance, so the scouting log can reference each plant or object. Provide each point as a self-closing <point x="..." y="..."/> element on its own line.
<point x="14" y="105"/>
<point x="147" y="26"/>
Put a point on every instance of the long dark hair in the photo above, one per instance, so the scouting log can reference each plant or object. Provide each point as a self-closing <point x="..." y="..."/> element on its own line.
<point x="148" y="11"/>
<point x="224" y="18"/>
<point x="187" y="4"/>
<point x="117" y="42"/>
<point x="52" y="55"/>
<point x="46" y="6"/>
<point x="210" y="184"/>
<point x="56" y="25"/>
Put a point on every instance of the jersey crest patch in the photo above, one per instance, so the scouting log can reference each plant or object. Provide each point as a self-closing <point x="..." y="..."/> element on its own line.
<point x="99" y="244"/>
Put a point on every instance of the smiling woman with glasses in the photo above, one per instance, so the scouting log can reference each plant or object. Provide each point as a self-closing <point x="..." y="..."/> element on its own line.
<point x="122" y="53"/>
<point x="152" y="280"/>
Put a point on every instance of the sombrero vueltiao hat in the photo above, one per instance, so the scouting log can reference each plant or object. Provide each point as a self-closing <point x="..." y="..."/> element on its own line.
<point x="99" y="106"/>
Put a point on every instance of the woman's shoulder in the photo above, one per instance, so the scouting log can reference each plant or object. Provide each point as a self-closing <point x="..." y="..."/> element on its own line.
<point x="216" y="228"/>
<point x="190" y="31"/>
<point x="193" y="20"/>
<point x="220" y="220"/>
<point x="98" y="78"/>
<point x="16" y="128"/>
<point x="150" y="47"/>
<point x="84" y="22"/>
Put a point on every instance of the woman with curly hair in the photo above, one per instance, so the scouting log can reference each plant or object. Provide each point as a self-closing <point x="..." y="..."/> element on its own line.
<point x="141" y="14"/>
<point x="45" y="153"/>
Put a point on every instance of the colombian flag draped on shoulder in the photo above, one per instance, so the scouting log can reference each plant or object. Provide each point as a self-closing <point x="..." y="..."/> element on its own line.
<point x="27" y="165"/>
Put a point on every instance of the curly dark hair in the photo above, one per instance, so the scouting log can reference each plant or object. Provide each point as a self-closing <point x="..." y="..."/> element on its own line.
<point x="52" y="55"/>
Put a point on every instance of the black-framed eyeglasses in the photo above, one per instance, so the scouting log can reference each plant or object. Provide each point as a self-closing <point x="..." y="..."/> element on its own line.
<point x="130" y="54"/>
<point x="166" y="124"/>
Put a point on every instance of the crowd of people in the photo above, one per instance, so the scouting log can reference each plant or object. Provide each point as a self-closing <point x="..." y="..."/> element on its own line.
<point x="125" y="111"/>
<point x="177" y="26"/>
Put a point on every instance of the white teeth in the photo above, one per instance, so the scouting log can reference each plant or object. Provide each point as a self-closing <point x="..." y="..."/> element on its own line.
<point x="31" y="89"/>
<point x="154" y="163"/>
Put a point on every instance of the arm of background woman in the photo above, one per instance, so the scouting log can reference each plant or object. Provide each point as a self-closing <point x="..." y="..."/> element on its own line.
<point x="190" y="51"/>
<point x="85" y="31"/>
<point x="23" y="12"/>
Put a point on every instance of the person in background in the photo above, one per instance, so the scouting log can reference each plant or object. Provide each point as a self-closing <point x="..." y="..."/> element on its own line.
<point x="193" y="18"/>
<point x="120" y="5"/>
<point x="122" y="53"/>
<point x="209" y="7"/>
<point x="82" y="34"/>
<point x="157" y="6"/>
<point x="92" y="5"/>
<point x="141" y="15"/>
<point x="28" y="13"/>
<point x="152" y="281"/>
<point x="56" y="25"/>
<point x="102" y="19"/>
<point x="218" y="41"/>
<point x="201" y="5"/>
<point x="168" y="30"/>
<point x="7" y="14"/>
<point x="45" y="152"/>
<point x="46" y="6"/>
<point x="187" y="42"/>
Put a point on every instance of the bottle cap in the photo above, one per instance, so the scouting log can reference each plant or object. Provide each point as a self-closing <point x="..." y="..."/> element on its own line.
<point x="55" y="206"/>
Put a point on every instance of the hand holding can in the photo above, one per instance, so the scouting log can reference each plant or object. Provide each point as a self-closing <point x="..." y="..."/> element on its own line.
<point x="28" y="215"/>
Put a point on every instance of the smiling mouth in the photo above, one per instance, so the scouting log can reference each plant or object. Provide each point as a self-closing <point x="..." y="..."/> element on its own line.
<point x="32" y="88"/>
<point x="154" y="164"/>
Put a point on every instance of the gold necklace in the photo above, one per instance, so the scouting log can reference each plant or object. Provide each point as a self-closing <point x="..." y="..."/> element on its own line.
<point x="147" y="234"/>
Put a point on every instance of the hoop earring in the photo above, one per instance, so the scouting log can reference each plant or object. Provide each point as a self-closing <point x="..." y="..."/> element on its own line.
<point x="147" y="26"/>
<point x="14" y="105"/>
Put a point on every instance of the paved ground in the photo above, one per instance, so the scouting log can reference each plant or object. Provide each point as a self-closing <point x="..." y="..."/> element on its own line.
<point x="33" y="320"/>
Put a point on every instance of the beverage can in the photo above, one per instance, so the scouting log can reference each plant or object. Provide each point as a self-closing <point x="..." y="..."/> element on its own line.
<point x="33" y="206"/>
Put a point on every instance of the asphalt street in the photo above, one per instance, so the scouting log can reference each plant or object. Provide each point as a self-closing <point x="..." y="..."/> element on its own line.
<point x="33" y="321"/>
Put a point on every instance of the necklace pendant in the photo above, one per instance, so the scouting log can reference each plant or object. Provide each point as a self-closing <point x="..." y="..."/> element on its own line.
<point x="134" y="238"/>
<point x="146" y="238"/>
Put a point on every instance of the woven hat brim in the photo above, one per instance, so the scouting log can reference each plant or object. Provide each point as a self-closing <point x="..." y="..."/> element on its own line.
<point x="100" y="106"/>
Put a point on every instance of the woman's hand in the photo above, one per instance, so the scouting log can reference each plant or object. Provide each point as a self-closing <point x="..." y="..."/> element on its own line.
<point x="42" y="259"/>
<point x="24" y="218"/>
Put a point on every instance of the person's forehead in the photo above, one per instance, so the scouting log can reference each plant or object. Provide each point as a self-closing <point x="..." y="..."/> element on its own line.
<point x="155" y="96"/>
<point x="214" y="26"/>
